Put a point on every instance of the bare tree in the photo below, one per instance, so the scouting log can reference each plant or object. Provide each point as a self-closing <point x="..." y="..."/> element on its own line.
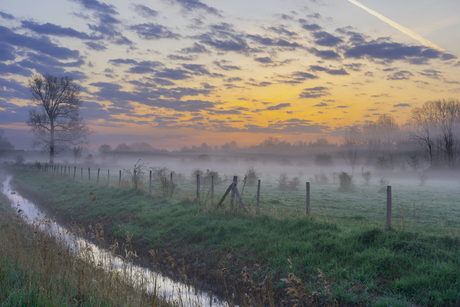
<point x="56" y="122"/>
<point x="77" y="152"/>
<point x="350" y="147"/>
<point x="434" y="126"/>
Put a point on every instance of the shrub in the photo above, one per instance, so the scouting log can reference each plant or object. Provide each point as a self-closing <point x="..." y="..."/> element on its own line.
<point x="283" y="181"/>
<point x="209" y="174"/>
<point x="383" y="184"/>
<point x="346" y="182"/>
<point x="136" y="174"/>
<point x="196" y="172"/>
<point x="294" y="184"/>
<point x="413" y="162"/>
<point x="251" y="176"/>
<point x="323" y="159"/>
<point x="321" y="178"/>
<point x="19" y="159"/>
<point x="367" y="177"/>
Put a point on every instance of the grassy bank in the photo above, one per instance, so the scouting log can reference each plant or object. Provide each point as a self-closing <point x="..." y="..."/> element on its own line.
<point x="358" y="264"/>
<point x="39" y="270"/>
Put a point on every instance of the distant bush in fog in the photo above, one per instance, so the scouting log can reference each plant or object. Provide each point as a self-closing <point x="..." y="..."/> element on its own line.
<point x="324" y="159"/>
<point x="251" y="176"/>
<point x="346" y="182"/>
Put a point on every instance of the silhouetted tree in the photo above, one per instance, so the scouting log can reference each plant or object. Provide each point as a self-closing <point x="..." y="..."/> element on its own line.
<point x="349" y="150"/>
<point x="5" y="144"/>
<point x="56" y="122"/>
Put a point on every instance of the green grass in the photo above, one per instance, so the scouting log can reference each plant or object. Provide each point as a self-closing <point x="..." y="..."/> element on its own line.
<point x="363" y="262"/>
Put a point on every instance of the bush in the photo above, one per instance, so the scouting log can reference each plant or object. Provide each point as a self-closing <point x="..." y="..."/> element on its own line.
<point x="293" y="184"/>
<point x="19" y="159"/>
<point x="196" y="172"/>
<point x="323" y="159"/>
<point x="209" y="174"/>
<point x="283" y="181"/>
<point x="251" y="176"/>
<point x="383" y="184"/>
<point x="367" y="177"/>
<point x="346" y="182"/>
<point x="136" y="174"/>
<point x="321" y="178"/>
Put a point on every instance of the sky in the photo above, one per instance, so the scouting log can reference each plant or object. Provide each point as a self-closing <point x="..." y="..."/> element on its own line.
<point x="174" y="73"/>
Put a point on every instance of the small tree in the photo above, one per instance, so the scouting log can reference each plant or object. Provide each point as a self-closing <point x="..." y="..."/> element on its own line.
<point x="56" y="122"/>
<point x="346" y="182"/>
<point x="77" y="152"/>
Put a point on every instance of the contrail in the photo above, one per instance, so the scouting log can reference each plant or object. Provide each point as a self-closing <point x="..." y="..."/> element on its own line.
<point x="397" y="26"/>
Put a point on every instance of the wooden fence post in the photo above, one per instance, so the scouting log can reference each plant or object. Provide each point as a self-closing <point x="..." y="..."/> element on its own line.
<point x="108" y="176"/>
<point x="119" y="179"/>
<point x="388" y="207"/>
<point x="81" y="177"/>
<point x="150" y="182"/>
<point x="232" y="196"/>
<point x="198" y="189"/>
<point x="258" y="195"/>
<point x="74" y="172"/>
<point x="135" y="180"/>
<point x="212" y="191"/>
<point x="170" y="185"/>
<point x="98" y="171"/>
<point x="308" y="209"/>
<point x="89" y="174"/>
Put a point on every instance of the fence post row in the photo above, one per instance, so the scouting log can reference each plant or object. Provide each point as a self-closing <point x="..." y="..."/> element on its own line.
<point x="388" y="207"/>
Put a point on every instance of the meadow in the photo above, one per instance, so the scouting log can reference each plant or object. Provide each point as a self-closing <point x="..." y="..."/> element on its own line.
<point x="342" y="254"/>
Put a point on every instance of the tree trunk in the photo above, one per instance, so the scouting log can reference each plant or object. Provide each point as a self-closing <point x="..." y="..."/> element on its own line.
<point x="52" y="143"/>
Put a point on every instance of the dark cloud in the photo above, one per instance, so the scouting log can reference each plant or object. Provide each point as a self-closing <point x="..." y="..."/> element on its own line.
<point x="354" y="66"/>
<point x="329" y="71"/>
<point x="390" y="51"/>
<point x="296" y="77"/>
<point x="314" y="92"/>
<point x="13" y="89"/>
<point x="326" y="39"/>
<point x="431" y="73"/>
<point x="401" y="105"/>
<point x="145" y="11"/>
<point x="181" y="57"/>
<point x="278" y="107"/>
<point x="309" y="26"/>
<point x="260" y="84"/>
<point x="52" y="29"/>
<point x="98" y="6"/>
<point x="281" y="30"/>
<point x="173" y="74"/>
<point x="6" y="69"/>
<point x="325" y="54"/>
<point x="196" y="48"/>
<point x="278" y="42"/>
<point x="237" y="44"/>
<point x="6" y="52"/>
<point x="264" y="60"/>
<point x="321" y="104"/>
<point x="95" y="46"/>
<point x="400" y="75"/>
<point x="192" y="5"/>
<point x="222" y="65"/>
<point x="6" y="15"/>
<point x="42" y="44"/>
<point x="123" y="61"/>
<point x="153" y="31"/>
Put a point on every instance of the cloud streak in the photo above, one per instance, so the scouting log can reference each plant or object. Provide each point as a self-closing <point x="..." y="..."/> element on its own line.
<point x="399" y="27"/>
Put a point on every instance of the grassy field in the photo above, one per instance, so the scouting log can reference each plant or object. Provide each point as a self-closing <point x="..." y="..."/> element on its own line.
<point x="360" y="262"/>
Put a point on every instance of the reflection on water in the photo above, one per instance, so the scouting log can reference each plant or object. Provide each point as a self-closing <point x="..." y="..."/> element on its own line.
<point x="155" y="282"/>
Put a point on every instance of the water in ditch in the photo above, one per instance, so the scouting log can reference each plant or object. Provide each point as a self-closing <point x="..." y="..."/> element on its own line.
<point x="163" y="286"/>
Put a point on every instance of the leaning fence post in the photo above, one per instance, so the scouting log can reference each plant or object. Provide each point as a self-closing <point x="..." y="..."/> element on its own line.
<point x="232" y="196"/>
<point x="258" y="195"/>
<point x="212" y="191"/>
<point x="150" y="182"/>
<point x="170" y="185"/>
<point x="308" y="209"/>
<point x="198" y="189"/>
<point x="89" y="174"/>
<point x="98" y="171"/>
<point x="389" y="207"/>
